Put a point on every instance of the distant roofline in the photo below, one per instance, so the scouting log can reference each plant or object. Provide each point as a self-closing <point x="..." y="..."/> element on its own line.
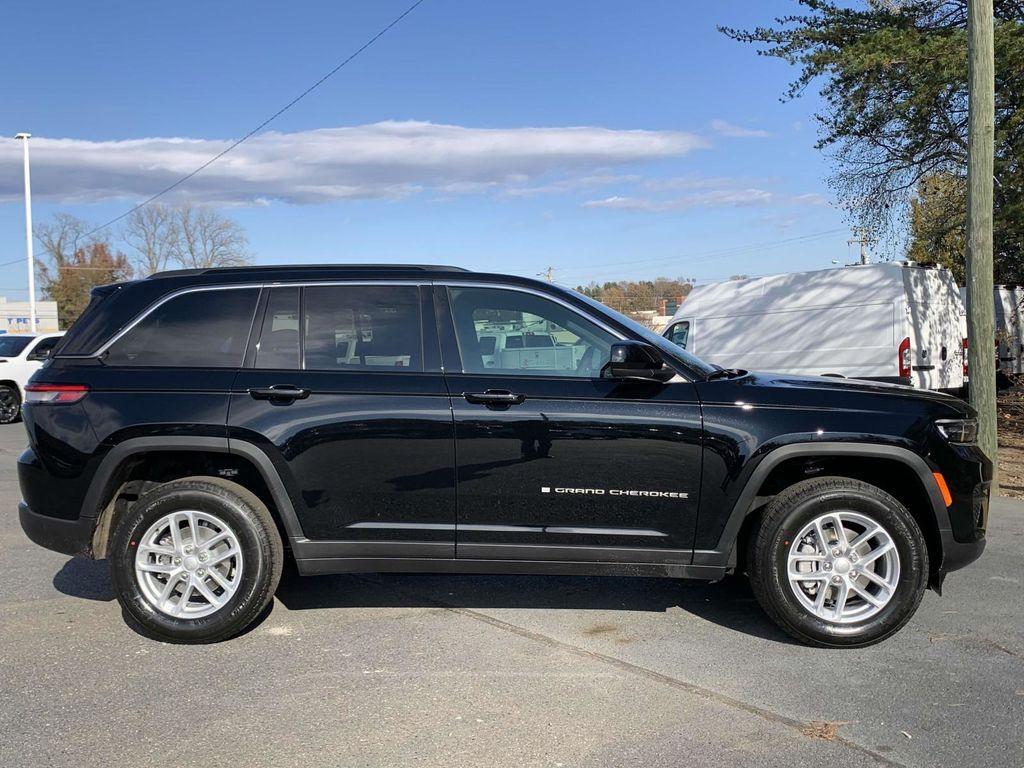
<point x="299" y="267"/>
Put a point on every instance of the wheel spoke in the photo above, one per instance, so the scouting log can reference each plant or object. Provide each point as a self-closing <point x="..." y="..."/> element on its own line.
<point x="819" y="601"/>
<point x="872" y="531"/>
<point x="157" y="567"/>
<point x="186" y="592"/>
<point x="837" y="524"/>
<point x="216" y="576"/>
<point x="156" y="549"/>
<point x="842" y="593"/>
<point x="169" y="586"/>
<point x="863" y="593"/>
<point x="807" y="557"/>
<point x="217" y="539"/>
<point x="222" y="556"/>
<point x="823" y="541"/>
<point x="875" y="578"/>
<point x="193" y="528"/>
<point x="206" y="592"/>
<point x="875" y="553"/>
<point x="176" y="532"/>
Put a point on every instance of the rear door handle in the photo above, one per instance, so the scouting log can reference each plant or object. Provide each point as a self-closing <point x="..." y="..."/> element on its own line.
<point x="279" y="392"/>
<point x="494" y="397"/>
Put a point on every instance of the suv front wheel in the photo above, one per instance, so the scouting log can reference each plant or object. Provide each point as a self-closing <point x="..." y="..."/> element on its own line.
<point x="838" y="563"/>
<point x="196" y="560"/>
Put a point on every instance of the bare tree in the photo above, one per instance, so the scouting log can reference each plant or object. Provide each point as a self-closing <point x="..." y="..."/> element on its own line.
<point x="60" y="239"/>
<point x="206" y="238"/>
<point x="153" y="233"/>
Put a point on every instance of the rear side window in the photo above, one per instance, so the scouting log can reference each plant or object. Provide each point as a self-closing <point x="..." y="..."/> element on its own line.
<point x="42" y="350"/>
<point x="202" y="329"/>
<point x="278" y="346"/>
<point x="352" y="327"/>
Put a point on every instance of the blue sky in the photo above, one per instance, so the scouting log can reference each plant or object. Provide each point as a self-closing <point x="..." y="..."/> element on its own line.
<point x="609" y="140"/>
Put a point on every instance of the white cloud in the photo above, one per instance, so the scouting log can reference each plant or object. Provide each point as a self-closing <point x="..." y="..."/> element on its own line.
<point x="715" y="198"/>
<point x="712" y="198"/>
<point x="733" y="131"/>
<point x="388" y="159"/>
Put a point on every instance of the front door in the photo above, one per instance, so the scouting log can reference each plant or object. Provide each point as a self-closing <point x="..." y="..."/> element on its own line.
<point x="343" y="390"/>
<point x="555" y="462"/>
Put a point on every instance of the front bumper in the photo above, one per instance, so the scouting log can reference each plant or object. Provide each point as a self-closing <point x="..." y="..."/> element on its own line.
<point x="70" y="537"/>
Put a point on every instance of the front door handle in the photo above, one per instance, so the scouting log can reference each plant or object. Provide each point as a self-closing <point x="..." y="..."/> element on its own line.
<point x="279" y="392"/>
<point x="494" y="397"/>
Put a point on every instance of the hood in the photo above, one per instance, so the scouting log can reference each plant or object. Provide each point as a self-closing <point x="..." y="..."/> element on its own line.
<point x="829" y="392"/>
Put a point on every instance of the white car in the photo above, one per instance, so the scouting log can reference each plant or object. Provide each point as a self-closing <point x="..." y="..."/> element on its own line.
<point x="896" y="322"/>
<point x="21" y="355"/>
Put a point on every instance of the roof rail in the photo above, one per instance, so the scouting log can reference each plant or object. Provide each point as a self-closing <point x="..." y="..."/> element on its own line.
<point x="271" y="268"/>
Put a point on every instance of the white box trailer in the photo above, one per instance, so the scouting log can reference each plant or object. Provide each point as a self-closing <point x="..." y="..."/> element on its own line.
<point x="895" y="322"/>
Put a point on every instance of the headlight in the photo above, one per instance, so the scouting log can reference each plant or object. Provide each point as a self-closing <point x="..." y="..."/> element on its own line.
<point x="958" y="430"/>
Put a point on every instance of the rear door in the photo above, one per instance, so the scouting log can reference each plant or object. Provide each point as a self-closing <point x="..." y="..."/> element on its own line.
<point x="344" y="392"/>
<point x="555" y="462"/>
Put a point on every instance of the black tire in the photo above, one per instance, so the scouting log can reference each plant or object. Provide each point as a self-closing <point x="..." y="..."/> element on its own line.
<point x="10" y="404"/>
<point x="783" y="519"/>
<point x="260" y="544"/>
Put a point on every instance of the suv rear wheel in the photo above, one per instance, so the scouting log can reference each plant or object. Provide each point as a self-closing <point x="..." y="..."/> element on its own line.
<point x="837" y="562"/>
<point x="196" y="560"/>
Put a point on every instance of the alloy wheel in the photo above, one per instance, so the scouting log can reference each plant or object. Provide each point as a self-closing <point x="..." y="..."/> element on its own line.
<point x="843" y="567"/>
<point x="188" y="564"/>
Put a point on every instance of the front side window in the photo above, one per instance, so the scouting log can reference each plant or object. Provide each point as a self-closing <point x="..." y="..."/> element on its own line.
<point x="200" y="329"/>
<point x="679" y="333"/>
<point x="353" y="327"/>
<point x="522" y="334"/>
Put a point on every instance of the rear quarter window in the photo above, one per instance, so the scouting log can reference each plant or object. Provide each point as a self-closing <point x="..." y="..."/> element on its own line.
<point x="200" y="329"/>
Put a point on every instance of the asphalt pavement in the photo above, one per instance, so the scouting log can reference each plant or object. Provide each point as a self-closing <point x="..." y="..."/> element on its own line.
<point x="434" y="670"/>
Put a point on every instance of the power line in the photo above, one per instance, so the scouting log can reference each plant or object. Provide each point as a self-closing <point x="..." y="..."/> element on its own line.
<point x="262" y="125"/>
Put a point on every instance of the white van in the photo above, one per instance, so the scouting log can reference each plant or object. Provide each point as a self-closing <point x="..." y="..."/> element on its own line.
<point x="1008" y="324"/>
<point x="895" y="322"/>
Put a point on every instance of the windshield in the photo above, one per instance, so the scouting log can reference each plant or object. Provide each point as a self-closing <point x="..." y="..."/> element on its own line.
<point x="12" y="346"/>
<point x="664" y="345"/>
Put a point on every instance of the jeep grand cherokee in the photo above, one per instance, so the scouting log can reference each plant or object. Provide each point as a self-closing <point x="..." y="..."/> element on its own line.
<point x="197" y="427"/>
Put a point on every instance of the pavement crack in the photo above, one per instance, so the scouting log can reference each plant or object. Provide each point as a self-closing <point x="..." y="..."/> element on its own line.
<point x="708" y="694"/>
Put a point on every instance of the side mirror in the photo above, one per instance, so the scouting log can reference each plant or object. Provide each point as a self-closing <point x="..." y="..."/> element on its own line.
<point x="638" y="360"/>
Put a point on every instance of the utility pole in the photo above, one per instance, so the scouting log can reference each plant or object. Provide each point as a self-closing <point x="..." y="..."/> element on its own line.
<point x="28" y="235"/>
<point x="860" y="235"/>
<point x="548" y="274"/>
<point x="980" y="151"/>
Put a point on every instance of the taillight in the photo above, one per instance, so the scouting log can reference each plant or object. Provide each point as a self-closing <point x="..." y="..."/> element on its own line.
<point x="965" y="357"/>
<point x="55" y="393"/>
<point x="903" y="358"/>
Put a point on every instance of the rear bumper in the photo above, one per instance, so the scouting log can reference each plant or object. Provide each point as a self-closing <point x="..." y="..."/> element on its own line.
<point x="70" y="537"/>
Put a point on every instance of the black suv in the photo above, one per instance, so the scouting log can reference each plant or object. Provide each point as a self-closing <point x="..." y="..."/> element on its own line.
<point x="197" y="426"/>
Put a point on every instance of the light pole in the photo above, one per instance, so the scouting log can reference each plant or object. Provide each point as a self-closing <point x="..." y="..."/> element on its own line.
<point x="28" y="236"/>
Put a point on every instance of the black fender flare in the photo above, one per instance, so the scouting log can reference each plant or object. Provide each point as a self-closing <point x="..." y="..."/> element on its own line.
<point x="101" y="486"/>
<point x="723" y="550"/>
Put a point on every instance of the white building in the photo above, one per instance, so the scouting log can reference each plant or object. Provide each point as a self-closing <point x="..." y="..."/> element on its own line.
<point x="14" y="316"/>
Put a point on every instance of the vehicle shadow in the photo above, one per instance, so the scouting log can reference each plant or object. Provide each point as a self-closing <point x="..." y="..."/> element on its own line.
<point x="85" y="578"/>
<point x="729" y="603"/>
